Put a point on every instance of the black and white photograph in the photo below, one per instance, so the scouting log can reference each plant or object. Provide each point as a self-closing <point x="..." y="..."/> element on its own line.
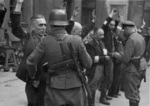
<point x="74" y="52"/>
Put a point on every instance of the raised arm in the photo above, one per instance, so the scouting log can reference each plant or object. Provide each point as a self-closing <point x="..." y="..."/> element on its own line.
<point x="109" y="19"/>
<point x="70" y="25"/>
<point x="2" y="12"/>
<point x="17" y="30"/>
<point x="87" y="28"/>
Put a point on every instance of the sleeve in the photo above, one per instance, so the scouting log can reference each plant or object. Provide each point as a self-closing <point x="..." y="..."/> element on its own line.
<point x="17" y="30"/>
<point x="128" y="51"/>
<point x="86" y="29"/>
<point x="2" y="15"/>
<point x="34" y="58"/>
<point x="69" y="27"/>
<point x="116" y="24"/>
<point x="106" y="23"/>
<point x="84" y="57"/>
<point x="90" y="50"/>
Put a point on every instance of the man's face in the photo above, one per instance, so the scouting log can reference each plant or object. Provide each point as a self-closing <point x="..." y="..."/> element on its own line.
<point x="112" y="25"/>
<point x="121" y="36"/>
<point x="39" y="26"/>
<point x="125" y="33"/>
<point x="99" y="34"/>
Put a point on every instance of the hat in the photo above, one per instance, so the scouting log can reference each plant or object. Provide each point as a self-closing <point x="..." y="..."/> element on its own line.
<point x="127" y="23"/>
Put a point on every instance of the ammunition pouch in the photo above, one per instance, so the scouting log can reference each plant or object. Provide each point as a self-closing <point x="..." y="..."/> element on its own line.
<point x="62" y="68"/>
<point x="136" y="62"/>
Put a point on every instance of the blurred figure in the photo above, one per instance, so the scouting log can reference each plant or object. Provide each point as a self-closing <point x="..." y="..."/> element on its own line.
<point x="35" y="88"/>
<point x="75" y="28"/>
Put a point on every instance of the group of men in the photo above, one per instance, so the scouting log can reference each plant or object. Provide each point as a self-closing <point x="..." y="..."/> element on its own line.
<point x="50" y="62"/>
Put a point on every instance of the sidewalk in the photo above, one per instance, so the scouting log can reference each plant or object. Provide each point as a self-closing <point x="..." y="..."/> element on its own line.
<point x="13" y="94"/>
<point x="7" y="76"/>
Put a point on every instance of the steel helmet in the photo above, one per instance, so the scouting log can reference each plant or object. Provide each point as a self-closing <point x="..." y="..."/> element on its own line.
<point x="58" y="17"/>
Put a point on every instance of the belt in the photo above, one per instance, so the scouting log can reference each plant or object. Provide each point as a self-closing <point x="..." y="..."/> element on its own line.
<point x="61" y="71"/>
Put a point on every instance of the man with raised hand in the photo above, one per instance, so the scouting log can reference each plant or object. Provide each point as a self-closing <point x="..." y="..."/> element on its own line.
<point x="35" y="88"/>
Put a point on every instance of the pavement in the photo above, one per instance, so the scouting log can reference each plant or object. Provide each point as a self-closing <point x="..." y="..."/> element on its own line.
<point x="12" y="92"/>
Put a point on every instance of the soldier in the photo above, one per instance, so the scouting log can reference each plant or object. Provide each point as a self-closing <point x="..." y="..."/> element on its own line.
<point x="34" y="90"/>
<point x="64" y="88"/>
<point x="133" y="51"/>
<point x="95" y="48"/>
<point x="2" y="12"/>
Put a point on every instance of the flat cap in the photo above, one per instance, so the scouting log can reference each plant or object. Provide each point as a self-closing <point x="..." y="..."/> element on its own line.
<point x="128" y="23"/>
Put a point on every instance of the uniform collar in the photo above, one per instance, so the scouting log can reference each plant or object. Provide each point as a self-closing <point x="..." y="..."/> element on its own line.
<point x="131" y="34"/>
<point x="58" y="32"/>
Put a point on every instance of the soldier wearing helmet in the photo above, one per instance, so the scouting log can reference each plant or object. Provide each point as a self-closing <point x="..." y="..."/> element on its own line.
<point x="64" y="88"/>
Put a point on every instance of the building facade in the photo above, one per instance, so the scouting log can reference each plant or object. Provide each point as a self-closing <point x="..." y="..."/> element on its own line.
<point x="129" y="9"/>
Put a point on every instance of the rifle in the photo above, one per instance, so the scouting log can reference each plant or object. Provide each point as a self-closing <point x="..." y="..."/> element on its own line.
<point x="78" y="67"/>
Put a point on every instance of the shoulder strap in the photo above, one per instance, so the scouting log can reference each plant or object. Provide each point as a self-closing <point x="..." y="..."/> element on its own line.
<point x="60" y="41"/>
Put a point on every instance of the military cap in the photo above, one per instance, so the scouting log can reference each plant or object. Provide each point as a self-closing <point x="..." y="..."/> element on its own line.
<point x="127" y="23"/>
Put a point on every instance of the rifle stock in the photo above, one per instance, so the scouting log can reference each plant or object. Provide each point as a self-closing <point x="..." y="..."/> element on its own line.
<point x="81" y="75"/>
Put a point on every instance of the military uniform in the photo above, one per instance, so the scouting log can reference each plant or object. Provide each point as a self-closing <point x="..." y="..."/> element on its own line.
<point x="134" y="47"/>
<point x="35" y="96"/>
<point x="63" y="84"/>
<point x="95" y="73"/>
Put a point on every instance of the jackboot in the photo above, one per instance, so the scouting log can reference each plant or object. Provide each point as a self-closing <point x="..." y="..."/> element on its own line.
<point x="103" y="100"/>
<point x="134" y="104"/>
<point x="91" y="101"/>
<point x="108" y="98"/>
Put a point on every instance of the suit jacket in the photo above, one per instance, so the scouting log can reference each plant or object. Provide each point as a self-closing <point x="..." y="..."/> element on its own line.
<point x="30" y="42"/>
<point x="95" y="48"/>
<point x="54" y="54"/>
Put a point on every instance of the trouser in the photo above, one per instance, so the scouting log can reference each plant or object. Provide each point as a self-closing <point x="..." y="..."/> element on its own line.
<point x="107" y="78"/>
<point x="117" y="78"/>
<point x="132" y="81"/>
<point x="35" y="96"/>
<point x="95" y="82"/>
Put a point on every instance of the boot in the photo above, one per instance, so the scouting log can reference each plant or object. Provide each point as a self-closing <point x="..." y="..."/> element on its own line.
<point x="108" y="98"/>
<point x="91" y="101"/>
<point x="134" y="104"/>
<point x="103" y="100"/>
